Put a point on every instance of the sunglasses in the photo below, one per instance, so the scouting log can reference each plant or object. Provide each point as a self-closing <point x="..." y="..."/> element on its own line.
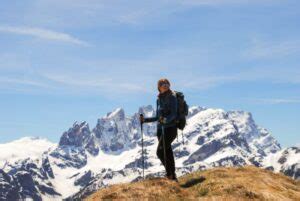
<point x="164" y="85"/>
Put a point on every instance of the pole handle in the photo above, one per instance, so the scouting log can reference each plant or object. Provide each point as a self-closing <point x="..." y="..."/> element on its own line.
<point x="141" y="115"/>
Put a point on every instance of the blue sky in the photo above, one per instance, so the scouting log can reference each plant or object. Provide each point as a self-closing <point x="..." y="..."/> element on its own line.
<point x="73" y="60"/>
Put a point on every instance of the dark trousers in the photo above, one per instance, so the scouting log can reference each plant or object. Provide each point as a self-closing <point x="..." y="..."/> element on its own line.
<point x="169" y="136"/>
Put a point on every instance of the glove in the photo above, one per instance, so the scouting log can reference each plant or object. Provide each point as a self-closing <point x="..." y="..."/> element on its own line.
<point x="163" y="120"/>
<point x="142" y="120"/>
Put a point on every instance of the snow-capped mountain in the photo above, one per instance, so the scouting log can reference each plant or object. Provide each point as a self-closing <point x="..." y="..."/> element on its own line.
<point x="286" y="161"/>
<point x="27" y="147"/>
<point x="87" y="159"/>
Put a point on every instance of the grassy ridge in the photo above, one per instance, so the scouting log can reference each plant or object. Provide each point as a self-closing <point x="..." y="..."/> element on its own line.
<point x="243" y="183"/>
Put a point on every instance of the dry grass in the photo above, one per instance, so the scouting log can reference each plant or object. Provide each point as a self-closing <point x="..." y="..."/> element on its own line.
<point x="246" y="183"/>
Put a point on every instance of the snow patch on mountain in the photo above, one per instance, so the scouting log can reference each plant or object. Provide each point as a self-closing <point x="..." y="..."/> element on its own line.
<point x="286" y="161"/>
<point x="26" y="147"/>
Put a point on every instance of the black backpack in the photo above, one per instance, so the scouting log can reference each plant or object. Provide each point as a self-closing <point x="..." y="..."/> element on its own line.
<point x="182" y="110"/>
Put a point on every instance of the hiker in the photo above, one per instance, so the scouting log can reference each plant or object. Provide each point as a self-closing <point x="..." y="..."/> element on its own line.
<point x="166" y="114"/>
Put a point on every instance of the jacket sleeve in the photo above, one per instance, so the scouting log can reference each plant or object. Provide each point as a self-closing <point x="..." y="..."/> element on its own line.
<point x="152" y="119"/>
<point x="173" y="110"/>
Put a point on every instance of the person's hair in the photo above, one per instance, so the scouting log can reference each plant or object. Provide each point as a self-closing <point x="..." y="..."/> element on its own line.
<point x="163" y="81"/>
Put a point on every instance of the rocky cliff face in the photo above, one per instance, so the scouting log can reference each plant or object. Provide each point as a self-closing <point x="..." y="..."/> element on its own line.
<point x="87" y="159"/>
<point x="79" y="136"/>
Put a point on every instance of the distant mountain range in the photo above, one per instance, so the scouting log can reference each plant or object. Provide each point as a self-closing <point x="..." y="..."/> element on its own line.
<point x="88" y="159"/>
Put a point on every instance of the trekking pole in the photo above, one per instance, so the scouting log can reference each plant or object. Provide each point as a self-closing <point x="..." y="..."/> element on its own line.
<point x="178" y="142"/>
<point x="177" y="137"/>
<point x="164" y="145"/>
<point x="141" y="115"/>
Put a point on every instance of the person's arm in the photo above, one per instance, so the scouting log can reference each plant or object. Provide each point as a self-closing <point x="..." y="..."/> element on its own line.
<point x="152" y="119"/>
<point x="173" y="110"/>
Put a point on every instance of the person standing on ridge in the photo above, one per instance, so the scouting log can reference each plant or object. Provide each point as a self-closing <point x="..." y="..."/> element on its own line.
<point x="166" y="114"/>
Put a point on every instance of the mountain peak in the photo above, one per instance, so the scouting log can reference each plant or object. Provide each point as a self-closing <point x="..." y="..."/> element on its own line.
<point x="118" y="113"/>
<point x="147" y="111"/>
<point x="29" y="139"/>
<point x="80" y="124"/>
<point x="194" y="110"/>
<point x="23" y="148"/>
<point x="76" y="135"/>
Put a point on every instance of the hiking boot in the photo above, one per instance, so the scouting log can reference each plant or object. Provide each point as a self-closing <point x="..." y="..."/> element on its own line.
<point x="167" y="176"/>
<point x="173" y="177"/>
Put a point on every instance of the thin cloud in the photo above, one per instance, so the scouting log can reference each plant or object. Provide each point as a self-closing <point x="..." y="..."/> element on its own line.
<point x="23" y="82"/>
<point x="209" y="81"/>
<point x="133" y="17"/>
<point x="275" y="101"/>
<point x="210" y="2"/>
<point x="265" y="50"/>
<point x="96" y="83"/>
<point x="90" y="13"/>
<point x="43" y="34"/>
<point x="144" y="12"/>
<point x="222" y="2"/>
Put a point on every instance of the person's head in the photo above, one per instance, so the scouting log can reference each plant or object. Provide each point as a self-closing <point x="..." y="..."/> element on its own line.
<point x="163" y="85"/>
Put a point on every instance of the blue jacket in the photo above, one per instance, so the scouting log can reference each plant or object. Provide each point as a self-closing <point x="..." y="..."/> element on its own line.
<point x="166" y="107"/>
